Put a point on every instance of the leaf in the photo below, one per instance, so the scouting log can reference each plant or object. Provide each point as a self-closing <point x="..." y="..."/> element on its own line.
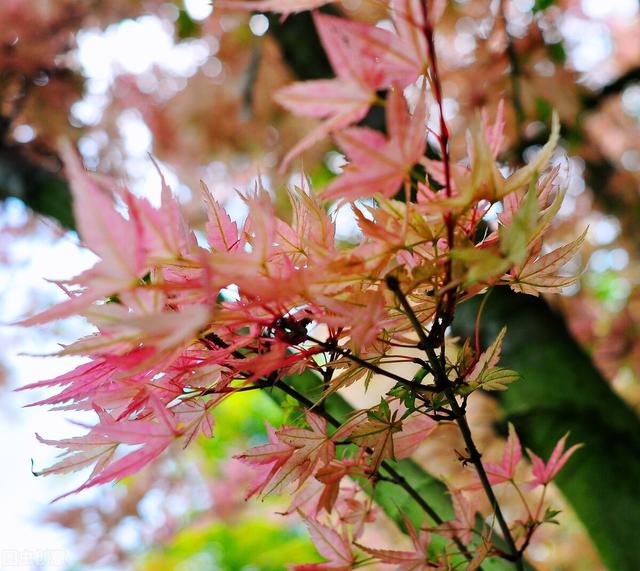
<point x="485" y="374"/>
<point x="487" y="360"/>
<point x="464" y="523"/>
<point x="331" y="545"/>
<point x="347" y="98"/>
<point x="106" y="232"/>
<point x="80" y="452"/>
<point x="312" y="447"/>
<point x="540" y="274"/>
<point x="377" y="433"/>
<point x="270" y="458"/>
<point x="378" y="164"/>
<point x="544" y="473"/>
<point x="164" y="232"/>
<point x="416" y="560"/>
<point x="497" y="379"/>
<point x="540" y="5"/>
<point x="323" y="98"/>
<point x="330" y="477"/>
<point x="284" y="7"/>
<point x="485" y="180"/>
<point x="516" y="236"/>
<point x="415" y="430"/>
<point x="524" y="175"/>
<point x="505" y="471"/>
<point x="292" y="455"/>
<point x="100" y="443"/>
<point x="222" y="232"/>
<point x="550" y="516"/>
<point x="483" y="264"/>
<point x="406" y="58"/>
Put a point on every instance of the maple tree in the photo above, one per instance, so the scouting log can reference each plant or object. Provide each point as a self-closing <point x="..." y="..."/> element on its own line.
<point x="182" y="325"/>
<point x="239" y="96"/>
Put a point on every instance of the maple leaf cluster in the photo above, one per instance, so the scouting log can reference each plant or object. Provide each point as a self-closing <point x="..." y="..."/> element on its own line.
<point x="185" y="320"/>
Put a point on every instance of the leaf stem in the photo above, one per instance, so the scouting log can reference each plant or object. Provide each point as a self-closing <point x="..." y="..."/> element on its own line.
<point x="478" y="317"/>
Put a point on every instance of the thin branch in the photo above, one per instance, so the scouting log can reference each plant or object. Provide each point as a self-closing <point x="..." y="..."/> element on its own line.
<point x="425" y="343"/>
<point x="442" y="381"/>
<point x="476" y="459"/>
<point x="370" y="366"/>
<point x="395" y="476"/>
<point x="449" y="299"/>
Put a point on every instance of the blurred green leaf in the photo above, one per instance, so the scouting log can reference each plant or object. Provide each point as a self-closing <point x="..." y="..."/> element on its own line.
<point x="557" y="52"/>
<point x="540" y="5"/>
<point x="186" y="27"/>
<point x="259" y="545"/>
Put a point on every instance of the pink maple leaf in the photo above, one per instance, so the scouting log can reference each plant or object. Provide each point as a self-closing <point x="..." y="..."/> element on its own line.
<point x="406" y="58"/>
<point x="347" y="98"/>
<point x="103" y="230"/>
<point x="334" y="547"/>
<point x="379" y="164"/>
<point x="292" y="455"/>
<point x="154" y="431"/>
<point x="463" y="525"/>
<point x="313" y="447"/>
<point x="165" y="233"/>
<point x="268" y="458"/>
<point x="222" y="232"/>
<point x="284" y="7"/>
<point x="414" y="431"/>
<point x="330" y="475"/>
<point x="416" y="560"/>
<point x="544" y="473"/>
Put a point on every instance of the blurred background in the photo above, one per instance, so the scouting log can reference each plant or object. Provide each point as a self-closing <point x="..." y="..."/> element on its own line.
<point x="192" y="85"/>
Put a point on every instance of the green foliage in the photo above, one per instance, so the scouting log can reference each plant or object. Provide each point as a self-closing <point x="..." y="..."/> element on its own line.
<point x="543" y="109"/>
<point x="609" y="287"/>
<point x="244" y="414"/>
<point x="41" y="190"/>
<point x="256" y="545"/>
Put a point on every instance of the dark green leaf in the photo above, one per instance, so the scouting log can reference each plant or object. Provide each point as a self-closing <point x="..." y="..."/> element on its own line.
<point x="185" y="26"/>
<point x="540" y="5"/>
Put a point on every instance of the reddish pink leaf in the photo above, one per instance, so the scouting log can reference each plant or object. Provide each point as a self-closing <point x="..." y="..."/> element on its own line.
<point x="544" y="473"/>
<point x="284" y="7"/>
<point x="379" y="165"/>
